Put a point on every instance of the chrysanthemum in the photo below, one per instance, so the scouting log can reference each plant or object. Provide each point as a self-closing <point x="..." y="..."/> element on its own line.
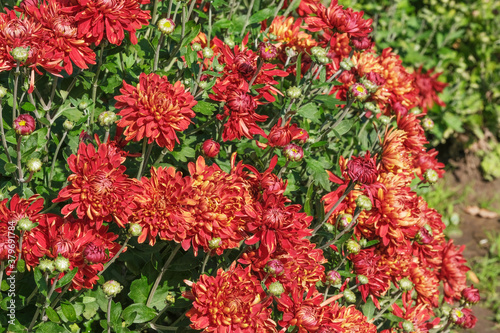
<point x="428" y="87"/>
<point x="232" y="301"/>
<point x="288" y="34"/>
<point x="353" y="320"/>
<point x="453" y="272"/>
<point x="161" y="206"/>
<point x="97" y="19"/>
<point x="99" y="187"/>
<point x="155" y="109"/>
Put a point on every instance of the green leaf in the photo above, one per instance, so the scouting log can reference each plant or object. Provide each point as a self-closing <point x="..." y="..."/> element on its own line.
<point x="318" y="172"/>
<point x="40" y="281"/>
<point x="139" y="290"/>
<point x="204" y="108"/>
<point x="10" y="168"/>
<point x="194" y="32"/>
<point x="261" y="15"/>
<point x="369" y="308"/>
<point x="329" y="101"/>
<point x="66" y="278"/>
<point x="90" y="309"/>
<point x="73" y="114"/>
<point x="372" y="242"/>
<point x="138" y="313"/>
<point x="310" y="111"/>
<point x="69" y="311"/>
<point x="346" y="274"/>
<point x="52" y="315"/>
<point x="344" y="127"/>
<point x="50" y="327"/>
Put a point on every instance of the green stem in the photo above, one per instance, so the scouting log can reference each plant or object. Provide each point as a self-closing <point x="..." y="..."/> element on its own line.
<point x="163" y="270"/>
<point x="108" y="315"/>
<point x="247" y="18"/>
<point x="115" y="256"/>
<point x="143" y="155"/>
<point x="207" y="255"/>
<point x="393" y="300"/>
<point x="94" y="87"/>
<point x="209" y="22"/>
<point x="14" y="94"/>
<point x="35" y="317"/>
<point x="2" y="132"/>
<point x="157" y="52"/>
<point x="283" y="168"/>
<point x="55" y="157"/>
<point x="162" y="155"/>
<point x="18" y="150"/>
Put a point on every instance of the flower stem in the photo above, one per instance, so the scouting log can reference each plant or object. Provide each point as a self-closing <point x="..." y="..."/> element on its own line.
<point x="157" y="52"/>
<point x="283" y="168"/>
<point x="163" y="270"/>
<point x="393" y="300"/>
<point x="207" y="255"/>
<point x="14" y="94"/>
<point x="2" y="267"/>
<point x="19" y="168"/>
<point x="143" y="155"/>
<point x="247" y="18"/>
<point x="2" y="132"/>
<point x="349" y="188"/>
<point x="257" y="71"/>
<point x="108" y="315"/>
<point x="94" y="87"/>
<point x="55" y="157"/>
<point x="45" y="304"/>
<point x="114" y="257"/>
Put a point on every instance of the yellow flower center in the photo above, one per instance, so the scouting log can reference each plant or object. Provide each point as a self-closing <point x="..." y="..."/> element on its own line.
<point x="22" y="123"/>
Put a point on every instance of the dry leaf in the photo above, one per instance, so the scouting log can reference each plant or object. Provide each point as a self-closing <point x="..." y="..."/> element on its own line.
<point x="481" y="212"/>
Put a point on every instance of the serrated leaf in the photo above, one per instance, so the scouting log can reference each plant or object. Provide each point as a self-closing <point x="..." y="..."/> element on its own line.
<point x="69" y="311"/>
<point x="261" y="15"/>
<point x="204" y="108"/>
<point x="40" y="281"/>
<point x="139" y="290"/>
<point x="329" y="101"/>
<point x="50" y="327"/>
<point x="344" y="126"/>
<point x="73" y="114"/>
<point x="319" y="173"/>
<point x="52" y="315"/>
<point x="138" y="313"/>
<point x="346" y="274"/>
<point x="194" y="32"/>
<point x="369" y="308"/>
<point x="10" y="168"/>
<point x="310" y="111"/>
<point x="66" y="278"/>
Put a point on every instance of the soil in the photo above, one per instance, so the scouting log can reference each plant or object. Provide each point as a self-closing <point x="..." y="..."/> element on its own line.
<point x="466" y="176"/>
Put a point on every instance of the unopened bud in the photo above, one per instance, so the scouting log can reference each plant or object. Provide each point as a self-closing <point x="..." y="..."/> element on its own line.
<point x="107" y="118"/>
<point x="324" y="60"/>
<point x="219" y="68"/>
<point x="358" y="91"/>
<point x="363" y="279"/>
<point x="349" y="296"/>
<point x="229" y="42"/>
<point x="203" y="84"/>
<point x="431" y="176"/>
<point x="318" y="51"/>
<point x="134" y="229"/>
<point x="363" y="202"/>
<point x="170" y="298"/>
<point x="384" y="119"/>
<point x="333" y="278"/>
<point x="111" y="288"/>
<point x="46" y="265"/>
<point x="210" y="148"/>
<point x="34" y="164"/>
<point x="208" y="52"/>
<point x="214" y="243"/>
<point x="416" y="110"/>
<point x="166" y="26"/>
<point x="408" y="326"/>
<point x="293" y="152"/>
<point x="62" y="264"/>
<point x="344" y="220"/>
<point x="25" y="224"/>
<point x="274" y="267"/>
<point x="3" y="91"/>
<point x="276" y="288"/>
<point x="83" y="105"/>
<point x="20" y="54"/>
<point x="196" y="47"/>
<point x="405" y="284"/>
<point x="427" y="123"/>
<point x="346" y="64"/>
<point x="293" y="92"/>
<point x="353" y="247"/>
<point x="68" y="125"/>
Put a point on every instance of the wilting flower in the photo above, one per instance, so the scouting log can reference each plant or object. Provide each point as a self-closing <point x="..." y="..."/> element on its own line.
<point x="362" y="169"/>
<point x="210" y="148"/>
<point x="232" y="301"/>
<point x="155" y="109"/>
<point x="24" y="124"/>
<point x="99" y="187"/>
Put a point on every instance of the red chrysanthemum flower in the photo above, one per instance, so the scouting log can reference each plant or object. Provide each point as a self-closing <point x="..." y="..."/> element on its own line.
<point x="97" y="19"/>
<point x="155" y="109"/>
<point x="363" y="169"/>
<point x="61" y="33"/>
<point x="210" y="148"/>
<point x="453" y="272"/>
<point x="289" y="34"/>
<point x="428" y="87"/>
<point x="161" y="206"/>
<point x="232" y="301"/>
<point x="426" y="285"/>
<point x="353" y="320"/>
<point x="24" y="124"/>
<point x="419" y="315"/>
<point x="99" y="187"/>
<point x="471" y="295"/>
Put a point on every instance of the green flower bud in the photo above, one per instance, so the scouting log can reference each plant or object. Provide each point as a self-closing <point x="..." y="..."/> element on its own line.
<point x="276" y="289"/>
<point x="318" y="51"/>
<point x="203" y="85"/>
<point x="229" y="42"/>
<point x="196" y="47"/>
<point x="219" y="68"/>
<point x="134" y="229"/>
<point x="353" y="247"/>
<point x="112" y="288"/>
<point x="408" y="326"/>
<point x="416" y="110"/>
<point x="363" y="242"/>
<point x="293" y="92"/>
<point x="107" y="118"/>
<point x="344" y="220"/>
<point x="25" y="224"/>
<point x="324" y="60"/>
<point x="34" y="164"/>
<point x="363" y="202"/>
<point x="208" y="52"/>
<point x="384" y="119"/>
<point x="3" y="91"/>
<point x="20" y="54"/>
<point x="349" y="296"/>
<point x="46" y="265"/>
<point x="170" y="298"/>
<point x="363" y="279"/>
<point x="427" y="123"/>
<point x="214" y="243"/>
<point x="329" y="227"/>
<point x="83" y="105"/>
<point x="431" y="176"/>
<point x="405" y="284"/>
<point x="333" y="278"/>
<point x="61" y="264"/>
<point x="346" y="64"/>
<point x="68" y="125"/>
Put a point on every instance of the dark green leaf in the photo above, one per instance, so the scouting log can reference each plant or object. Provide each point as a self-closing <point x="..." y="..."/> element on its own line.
<point x="261" y="15"/>
<point x="52" y="315"/>
<point x="329" y="101"/>
<point x="204" y="108"/>
<point x="40" y="282"/>
<point x="346" y="274"/>
<point x="50" y="327"/>
<point x="310" y="111"/>
<point x="319" y="173"/>
<point x="139" y="290"/>
<point x="344" y="126"/>
<point x="66" y="278"/>
<point x="10" y="168"/>
<point x="138" y="313"/>
<point x="369" y="308"/>
<point x="69" y="311"/>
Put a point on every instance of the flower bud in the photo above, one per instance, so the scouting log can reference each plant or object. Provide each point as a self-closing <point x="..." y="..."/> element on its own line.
<point x="134" y="230"/>
<point x="46" y="265"/>
<point x="111" y="288"/>
<point x="94" y="254"/>
<point x="384" y="119"/>
<point x="358" y="91"/>
<point x="370" y="106"/>
<point x="276" y="288"/>
<point x="324" y="60"/>
<point x="344" y="220"/>
<point x="219" y="68"/>
<point x="293" y="152"/>
<point x="363" y="242"/>
<point x="68" y="125"/>
<point x="203" y="84"/>
<point x="405" y="284"/>
<point x="424" y="235"/>
<point x="229" y="42"/>
<point x="333" y="278"/>
<point x="83" y="105"/>
<point x="293" y="92"/>
<point x="196" y="47"/>
<point x="267" y="51"/>
<point x="353" y="247"/>
<point x="186" y="82"/>
<point x="20" y="54"/>
<point x="329" y="228"/>
<point x="61" y="264"/>
<point x="166" y="26"/>
<point x="107" y="118"/>
<point x="210" y="148"/>
<point x="363" y="202"/>
<point x="471" y="295"/>
<point x="25" y="224"/>
<point x="272" y="36"/>
<point x="3" y="91"/>
<point x="431" y="176"/>
<point x="214" y="243"/>
<point x="318" y="51"/>
<point x="170" y="298"/>
<point x="208" y="52"/>
<point x="349" y="296"/>
<point x="408" y="326"/>
<point x="362" y="169"/>
<point x="427" y="123"/>
<point x="274" y="267"/>
<point x="363" y="279"/>
<point x="416" y="110"/>
<point x="34" y="164"/>
<point x="346" y="64"/>
<point x="24" y="124"/>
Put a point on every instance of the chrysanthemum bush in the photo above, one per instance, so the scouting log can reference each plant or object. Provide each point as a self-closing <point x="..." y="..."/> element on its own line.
<point x="217" y="166"/>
